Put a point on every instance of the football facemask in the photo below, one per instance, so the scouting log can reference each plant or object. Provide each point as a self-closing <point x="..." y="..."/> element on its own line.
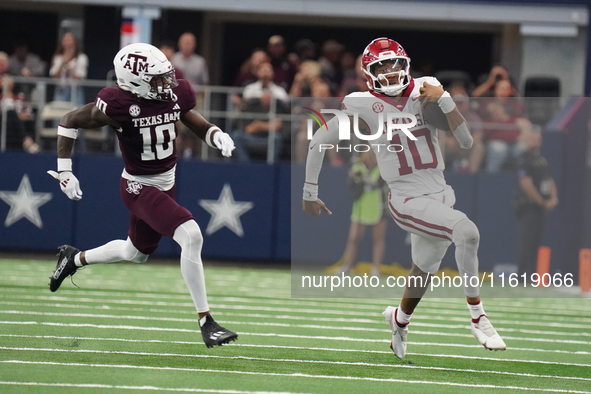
<point x="389" y="76"/>
<point x="161" y="86"/>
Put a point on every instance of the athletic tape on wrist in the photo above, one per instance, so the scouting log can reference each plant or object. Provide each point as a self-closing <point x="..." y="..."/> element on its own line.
<point x="310" y="192"/>
<point x="64" y="165"/>
<point x="209" y="136"/>
<point x="67" y="132"/>
<point x="446" y="103"/>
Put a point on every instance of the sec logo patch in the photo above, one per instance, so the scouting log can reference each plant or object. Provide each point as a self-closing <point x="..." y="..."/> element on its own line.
<point x="134" y="110"/>
<point x="377" y="107"/>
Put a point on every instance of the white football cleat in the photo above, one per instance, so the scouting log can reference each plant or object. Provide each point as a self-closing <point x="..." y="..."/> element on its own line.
<point x="398" y="344"/>
<point x="486" y="334"/>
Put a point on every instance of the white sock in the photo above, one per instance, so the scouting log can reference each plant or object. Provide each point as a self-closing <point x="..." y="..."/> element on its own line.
<point x="401" y="318"/>
<point x="188" y="236"/>
<point x="77" y="260"/>
<point x="113" y="252"/>
<point x="476" y="310"/>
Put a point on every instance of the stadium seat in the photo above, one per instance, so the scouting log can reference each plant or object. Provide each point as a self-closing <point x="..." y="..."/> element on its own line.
<point x="542" y="86"/>
<point x="542" y="98"/>
<point x="52" y="113"/>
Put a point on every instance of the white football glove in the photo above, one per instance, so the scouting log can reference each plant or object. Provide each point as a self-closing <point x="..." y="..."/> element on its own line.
<point x="224" y="142"/>
<point x="68" y="183"/>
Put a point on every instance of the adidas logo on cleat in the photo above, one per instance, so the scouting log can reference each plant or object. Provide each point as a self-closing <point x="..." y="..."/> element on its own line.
<point x="216" y="335"/>
<point x="213" y="334"/>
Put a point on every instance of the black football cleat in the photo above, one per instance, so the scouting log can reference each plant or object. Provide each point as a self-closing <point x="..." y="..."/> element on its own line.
<point x="213" y="334"/>
<point x="65" y="266"/>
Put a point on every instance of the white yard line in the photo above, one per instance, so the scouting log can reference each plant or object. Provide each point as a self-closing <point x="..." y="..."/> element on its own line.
<point x="185" y="330"/>
<point x="300" y="375"/>
<point x="326" y="328"/>
<point x="200" y="356"/>
<point x="439" y="314"/>
<point x="427" y="316"/>
<point x="443" y="305"/>
<point x="148" y="388"/>
<point x="346" y="363"/>
<point x="413" y="343"/>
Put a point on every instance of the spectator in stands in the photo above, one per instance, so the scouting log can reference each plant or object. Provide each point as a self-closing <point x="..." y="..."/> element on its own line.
<point x="347" y="64"/>
<point x="195" y="71"/>
<point x="466" y="160"/>
<point x="284" y="71"/>
<point x="24" y="63"/>
<point x="487" y="88"/>
<point x="167" y="47"/>
<point x="537" y="196"/>
<point x="504" y="126"/>
<point x="248" y="70"/>
<point x="252" y="136"/>
<point x="321" y="98"/>
<point x="354" y="83"/>
<point x="506" y="93"/>
<point x="265" y="83"/>
<point x="191" y="64"/>
<point x="424" y="69"/>
<point x="304" y="50"/>
<point x="16" y="134"/>
<point x="307" y="72"/>
<point x="503" y="133"/>
<point x="69" y="64"/>
<point x="330" y="63"/>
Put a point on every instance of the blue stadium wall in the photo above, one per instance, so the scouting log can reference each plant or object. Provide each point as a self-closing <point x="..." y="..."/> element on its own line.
<point x="275" y="194"/>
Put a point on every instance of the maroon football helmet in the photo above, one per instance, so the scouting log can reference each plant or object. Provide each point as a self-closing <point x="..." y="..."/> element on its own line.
<point x="382" y="59"/>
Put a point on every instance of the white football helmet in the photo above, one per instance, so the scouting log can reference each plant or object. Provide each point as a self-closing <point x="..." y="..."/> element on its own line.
<point x="144" y="70"/>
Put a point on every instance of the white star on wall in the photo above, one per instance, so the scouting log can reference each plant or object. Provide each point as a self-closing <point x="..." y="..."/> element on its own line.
<point x="24" y="203"/>
<point x="225" y="212"/>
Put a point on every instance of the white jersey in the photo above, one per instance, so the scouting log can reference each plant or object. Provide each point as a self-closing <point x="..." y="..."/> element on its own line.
<point x="417" y="169"/>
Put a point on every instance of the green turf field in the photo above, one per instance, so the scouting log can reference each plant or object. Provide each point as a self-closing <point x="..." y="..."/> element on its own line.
<point x="133" y="328"/>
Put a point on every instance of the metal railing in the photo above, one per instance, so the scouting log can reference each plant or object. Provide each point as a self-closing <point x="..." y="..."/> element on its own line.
<point x="214" y="103"/>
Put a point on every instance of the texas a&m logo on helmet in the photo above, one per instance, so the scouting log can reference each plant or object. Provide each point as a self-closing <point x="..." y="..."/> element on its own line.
<point x="136" y="64"/>
<point x="144" y="70"/>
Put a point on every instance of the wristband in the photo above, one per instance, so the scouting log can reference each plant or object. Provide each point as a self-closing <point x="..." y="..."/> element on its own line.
<point x="209" y="136"/>
<point x="64" y="165"/>
<point x="67" y="132"/>
<point x="310" y="192"/>
<point x="446" y="103"/>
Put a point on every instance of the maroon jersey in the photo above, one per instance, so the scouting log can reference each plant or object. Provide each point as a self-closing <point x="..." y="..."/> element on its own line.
<point x="148" y="130"/>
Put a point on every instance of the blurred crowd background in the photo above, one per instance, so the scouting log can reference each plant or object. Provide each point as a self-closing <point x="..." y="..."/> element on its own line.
<point x="508" y="74"/>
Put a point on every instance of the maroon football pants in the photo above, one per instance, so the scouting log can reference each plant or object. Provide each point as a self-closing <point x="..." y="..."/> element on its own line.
<point x="153" y="213"/>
